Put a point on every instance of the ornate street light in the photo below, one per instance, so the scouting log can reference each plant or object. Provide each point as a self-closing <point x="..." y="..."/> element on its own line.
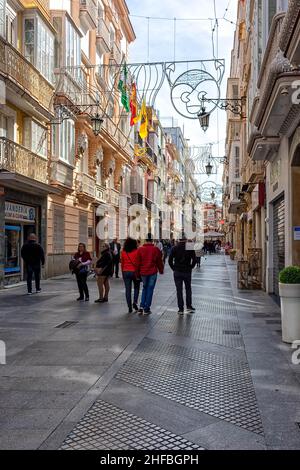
<point x="213" y="195"/>
<point x="97" y="122"/>
<point x="203" y="116"/>
<point x="208" y="168"/>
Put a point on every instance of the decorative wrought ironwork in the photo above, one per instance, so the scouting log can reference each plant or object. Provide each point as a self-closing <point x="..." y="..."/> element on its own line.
<point x="209" y="190"/>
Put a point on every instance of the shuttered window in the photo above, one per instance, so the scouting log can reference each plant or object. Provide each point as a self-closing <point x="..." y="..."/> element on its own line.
<point x="83" y="228"/>
<point x="58" y="229"/>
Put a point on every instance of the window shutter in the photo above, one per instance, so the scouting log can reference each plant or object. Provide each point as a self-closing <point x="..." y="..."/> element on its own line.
<point x="83" y="227"/>
<point x="58" y="229"/>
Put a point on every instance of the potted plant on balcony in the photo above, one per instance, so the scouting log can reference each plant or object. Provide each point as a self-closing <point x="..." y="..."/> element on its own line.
<point x="289" y="291"/>
<point x="232" y="254"/>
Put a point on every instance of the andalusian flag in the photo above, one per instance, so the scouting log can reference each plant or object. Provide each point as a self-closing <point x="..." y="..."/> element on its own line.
<point x="144" y="121"/>
<point x="122" y="87"/>
<point x="133" y="104"/>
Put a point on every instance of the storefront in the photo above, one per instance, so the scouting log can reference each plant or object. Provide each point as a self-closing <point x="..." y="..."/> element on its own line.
<point x="20" y="221"/>
<point x="21" y="213"/>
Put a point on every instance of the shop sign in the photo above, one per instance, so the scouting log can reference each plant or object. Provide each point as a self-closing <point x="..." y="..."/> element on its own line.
<point x="297" y="233"/>
<point x="14" y="211"/>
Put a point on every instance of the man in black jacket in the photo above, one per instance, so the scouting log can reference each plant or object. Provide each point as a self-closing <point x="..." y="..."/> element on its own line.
<point x="182" y="261"/>
<point x="115" y="248"/>
<point x="33" y="256"/>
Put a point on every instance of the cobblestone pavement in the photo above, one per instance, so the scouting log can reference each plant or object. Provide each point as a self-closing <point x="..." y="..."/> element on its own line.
<point x="89" y="376"/>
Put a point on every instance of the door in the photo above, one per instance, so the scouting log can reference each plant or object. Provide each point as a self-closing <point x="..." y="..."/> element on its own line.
<point x="278" y="242"/>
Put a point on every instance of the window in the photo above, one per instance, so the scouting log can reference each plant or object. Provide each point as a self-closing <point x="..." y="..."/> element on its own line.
<point x="73" y="51"/>
<point x="63" y="141"/>
<point x="58" y="229"/>
<point x="237" y="161"/>
<point x="2" y="17"/>
<point x="39" y="46"/>
<point x="35" y="137"/>
<point x="12" y="260"/>
<point x="272" y="8"/>
<point x="237" y="190"/>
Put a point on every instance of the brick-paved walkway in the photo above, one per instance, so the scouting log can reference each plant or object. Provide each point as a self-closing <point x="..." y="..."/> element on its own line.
<point x="218" y="379"/>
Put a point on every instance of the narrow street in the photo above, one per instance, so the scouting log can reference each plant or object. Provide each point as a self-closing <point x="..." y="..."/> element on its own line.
<point x="89" y="376"/>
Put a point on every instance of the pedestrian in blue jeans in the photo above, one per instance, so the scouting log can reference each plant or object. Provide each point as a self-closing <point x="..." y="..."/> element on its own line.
<point x="150" y="262"/>
<point x="129" y="271"/>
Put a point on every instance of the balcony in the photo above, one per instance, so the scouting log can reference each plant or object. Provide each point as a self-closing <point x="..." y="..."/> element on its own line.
<point x="102" y="37"/>
<point x="24" y="78"/>
<point x="254" y="171"/>
<point x="85" y="186"/>
<point x="88" y="14"/>
<point x="137" y="198"/>
<point x="62" y="175"/>
<point x="71" y="85"/>
<point x="16" y="159"/>
<point x="112" y="197"/>
<point x="117" y="136"/>
<point x="41" y="5"/>
<point x="100" y="193"/>
<point x="275" y="111"/>
<point x="290" y="35"/>
<point x="116" y="54"/>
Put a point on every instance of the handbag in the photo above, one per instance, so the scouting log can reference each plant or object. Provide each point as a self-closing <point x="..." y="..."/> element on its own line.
<point x="136" y="273"/>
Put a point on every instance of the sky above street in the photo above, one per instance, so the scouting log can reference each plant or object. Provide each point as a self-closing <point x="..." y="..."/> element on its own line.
<point x="193" y="42"/>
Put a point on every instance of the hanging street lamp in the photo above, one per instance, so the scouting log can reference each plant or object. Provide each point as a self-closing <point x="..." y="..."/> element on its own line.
<point x="97" y="122"/>
<point x="208" y="168"/>
<point x="203" y="116"/>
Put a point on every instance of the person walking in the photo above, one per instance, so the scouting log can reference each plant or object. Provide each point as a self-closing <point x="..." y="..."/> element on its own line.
<point x="198" y="253"/>
<point x="33" y="256"/>
<point x="115" y="248"/>
<point x="104" y="270"/>
<point x="129" y="270"/>
<point x="81" y="271"/>
<point x="182" y="261"/>
<point x="149" y="261"/>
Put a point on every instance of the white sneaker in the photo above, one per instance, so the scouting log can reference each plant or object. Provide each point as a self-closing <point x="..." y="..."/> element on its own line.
<point x="29" y="293"/>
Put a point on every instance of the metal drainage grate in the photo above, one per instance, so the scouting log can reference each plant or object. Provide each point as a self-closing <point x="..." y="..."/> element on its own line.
<point x="108" y="427"/>
<point x="214" y="384"/>
<point x="231" y="332"/>
<point x="66" y="324"/>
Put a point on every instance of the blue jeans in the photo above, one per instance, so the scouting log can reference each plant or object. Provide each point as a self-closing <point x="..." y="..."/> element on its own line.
<point x="148" y="289"/>
<point x="129" y="278"/>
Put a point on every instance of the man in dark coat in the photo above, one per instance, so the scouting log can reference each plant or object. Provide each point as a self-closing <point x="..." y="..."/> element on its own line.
<point x="33" y="256"/>
<point x="115" y="248"/>
<point x="182" y="261"/>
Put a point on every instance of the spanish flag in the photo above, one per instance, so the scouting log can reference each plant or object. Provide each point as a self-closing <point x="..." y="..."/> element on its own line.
<point x="133" y="104"/>
<point x="144" y="121"/>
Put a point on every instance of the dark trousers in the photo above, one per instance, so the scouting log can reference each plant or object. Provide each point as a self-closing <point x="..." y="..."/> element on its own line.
<point x="82" y="284"/>
<point x="179" y="279"/>
<point x="30" y="270"/>
<point x="116" y="262"/>
<point x="129" y="278"/>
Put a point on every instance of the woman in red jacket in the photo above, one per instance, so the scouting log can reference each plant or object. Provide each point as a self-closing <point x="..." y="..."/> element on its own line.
<point x="129" y="270"/>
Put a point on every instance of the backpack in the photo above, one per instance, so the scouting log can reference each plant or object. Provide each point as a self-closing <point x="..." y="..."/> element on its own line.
<point x="73" y="265"/>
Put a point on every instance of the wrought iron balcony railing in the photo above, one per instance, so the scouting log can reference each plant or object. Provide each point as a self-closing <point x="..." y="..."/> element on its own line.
<point x="15" y="158"/>
<point x="23" y="74"/>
